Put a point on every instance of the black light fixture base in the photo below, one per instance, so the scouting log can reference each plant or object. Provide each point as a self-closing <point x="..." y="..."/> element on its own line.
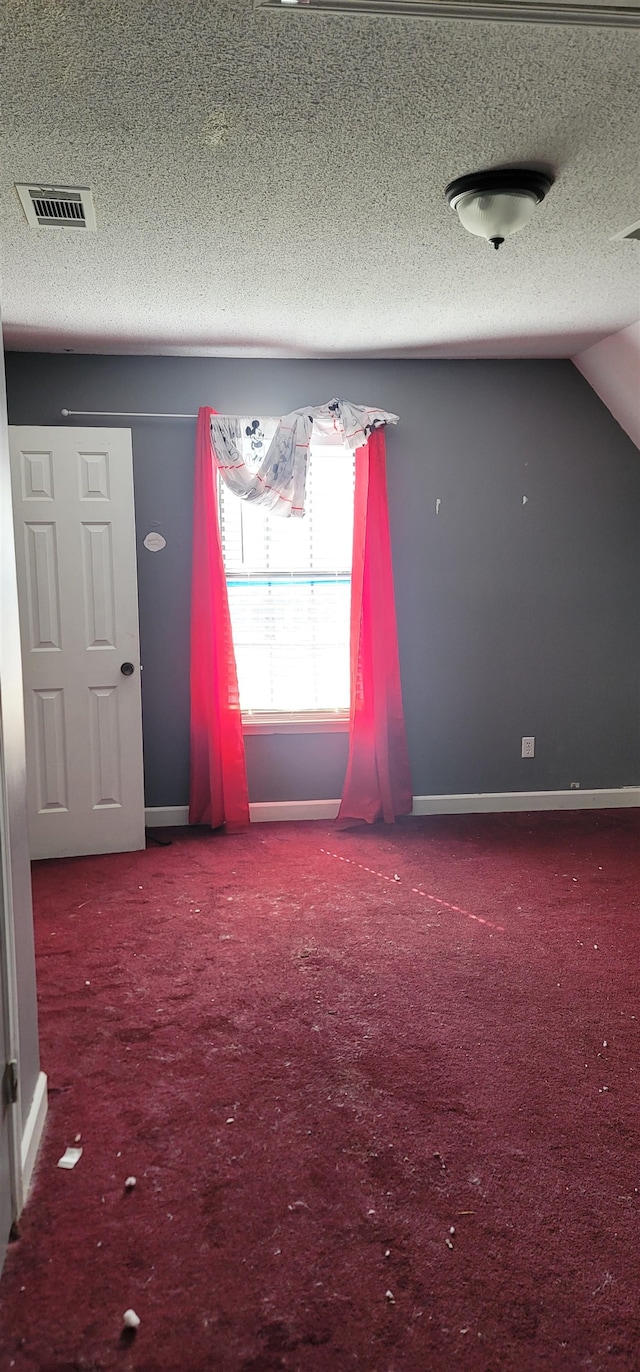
<point x="501" y="179"/>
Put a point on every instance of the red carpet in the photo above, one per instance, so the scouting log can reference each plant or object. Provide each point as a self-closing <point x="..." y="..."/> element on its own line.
<point x="379" y="1124"/>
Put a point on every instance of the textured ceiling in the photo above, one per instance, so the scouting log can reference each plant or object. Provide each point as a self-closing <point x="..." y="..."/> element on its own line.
<point x="272" y="183"/>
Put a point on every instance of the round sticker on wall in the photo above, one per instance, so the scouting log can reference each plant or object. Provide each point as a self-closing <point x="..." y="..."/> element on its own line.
<point x="154" y="542"/>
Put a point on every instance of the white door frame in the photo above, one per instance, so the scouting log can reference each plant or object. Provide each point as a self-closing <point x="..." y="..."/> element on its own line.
<point x="10" y="987"/>
<point x="8" y="854"/>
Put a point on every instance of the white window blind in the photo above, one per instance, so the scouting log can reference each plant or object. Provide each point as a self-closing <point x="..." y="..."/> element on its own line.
<point x="289" y="585"/>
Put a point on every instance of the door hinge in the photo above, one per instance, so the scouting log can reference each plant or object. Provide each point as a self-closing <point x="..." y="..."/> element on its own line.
<point x="10" y="1082"/>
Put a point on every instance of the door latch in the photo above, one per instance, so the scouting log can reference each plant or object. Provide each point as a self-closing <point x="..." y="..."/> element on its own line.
<point x="10" y="1083"/>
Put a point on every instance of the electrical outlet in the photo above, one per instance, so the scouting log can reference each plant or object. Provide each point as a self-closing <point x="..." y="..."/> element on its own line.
<point x="528" y="747"/>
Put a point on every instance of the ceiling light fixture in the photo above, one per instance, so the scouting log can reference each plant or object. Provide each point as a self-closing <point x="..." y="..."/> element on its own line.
<point x="495" y="204"/>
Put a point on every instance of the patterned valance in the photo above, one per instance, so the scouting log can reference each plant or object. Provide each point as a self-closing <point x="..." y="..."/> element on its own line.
<point x="265" y="460"/>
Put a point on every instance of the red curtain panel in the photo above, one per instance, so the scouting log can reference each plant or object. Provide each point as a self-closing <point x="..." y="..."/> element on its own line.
<point x="218" y="787"/>
<point x="378" y="779"/>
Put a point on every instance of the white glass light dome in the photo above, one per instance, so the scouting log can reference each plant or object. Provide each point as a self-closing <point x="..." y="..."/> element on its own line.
<point x="494" y="205"/>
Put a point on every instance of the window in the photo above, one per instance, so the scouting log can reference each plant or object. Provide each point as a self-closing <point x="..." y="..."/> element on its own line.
<point x="289" y="586"/>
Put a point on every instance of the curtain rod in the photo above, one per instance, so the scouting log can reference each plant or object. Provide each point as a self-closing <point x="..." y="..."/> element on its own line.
<point x="123" y="414"/>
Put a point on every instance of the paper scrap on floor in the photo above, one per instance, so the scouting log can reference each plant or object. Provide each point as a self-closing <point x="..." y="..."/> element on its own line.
<point x="70" y="1157"/>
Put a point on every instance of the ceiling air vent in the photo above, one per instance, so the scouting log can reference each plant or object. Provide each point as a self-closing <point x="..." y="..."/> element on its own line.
<point x="633" y="231"/>
<point x="58" y="207"/>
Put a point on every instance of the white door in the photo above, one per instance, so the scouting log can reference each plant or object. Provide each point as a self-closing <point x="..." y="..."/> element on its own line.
<point x="77" y="587"/>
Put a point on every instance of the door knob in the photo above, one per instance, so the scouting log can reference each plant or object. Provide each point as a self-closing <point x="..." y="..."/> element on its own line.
<point x="127" y="668"/>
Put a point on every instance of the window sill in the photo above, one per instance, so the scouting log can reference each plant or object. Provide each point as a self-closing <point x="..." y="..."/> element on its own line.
<point x="336" y="722"/>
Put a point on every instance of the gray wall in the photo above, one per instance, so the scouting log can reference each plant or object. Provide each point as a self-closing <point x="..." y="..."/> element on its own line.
<point x="513" y="618"/>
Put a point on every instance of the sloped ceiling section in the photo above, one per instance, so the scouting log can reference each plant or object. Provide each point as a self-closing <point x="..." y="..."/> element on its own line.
<point x="619" y="13"/>
<point x="612" y="367"/>
<point x="272" y="185"/>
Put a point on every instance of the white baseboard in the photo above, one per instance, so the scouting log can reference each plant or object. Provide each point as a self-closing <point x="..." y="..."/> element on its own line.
<point x="32" y="1133"/>
<point x="266" y="810"/>
<point x="504" y="802"/>
<point x="473" y="803"/>
<point x="166" y="816"/>
<point x="260" y="812"/>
